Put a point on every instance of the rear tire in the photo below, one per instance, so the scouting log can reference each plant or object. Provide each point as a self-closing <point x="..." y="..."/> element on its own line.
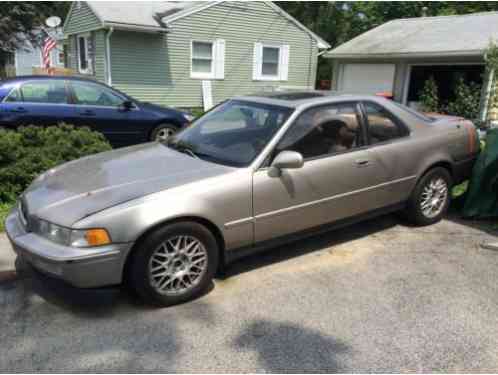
<point x="174" y="264"/>
<point x="431" y="198"/>
<point x="162" y="132"/>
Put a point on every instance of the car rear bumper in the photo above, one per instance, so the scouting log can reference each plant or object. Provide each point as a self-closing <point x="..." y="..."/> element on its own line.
<point x="462" y="170"/>
<point x="83" y="268"/>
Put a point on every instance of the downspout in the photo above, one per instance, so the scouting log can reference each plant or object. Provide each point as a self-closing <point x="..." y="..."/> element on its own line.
<point x="108" y="55"/>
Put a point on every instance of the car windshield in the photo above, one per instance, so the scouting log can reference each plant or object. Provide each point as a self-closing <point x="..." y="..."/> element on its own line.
<point x="233" y="133"/>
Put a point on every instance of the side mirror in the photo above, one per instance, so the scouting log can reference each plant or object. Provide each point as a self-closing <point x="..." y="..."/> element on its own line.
<point x="127" y="105"/>
<point x="285" y="160"/>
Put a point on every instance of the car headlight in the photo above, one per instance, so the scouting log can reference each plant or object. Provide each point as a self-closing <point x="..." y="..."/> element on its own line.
<point x="189" y="117"/>
<point x="71" y="237"/>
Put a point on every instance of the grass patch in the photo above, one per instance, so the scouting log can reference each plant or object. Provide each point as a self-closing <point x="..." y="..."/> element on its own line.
<point x="460" y="190"/>
<point x="4" y="210"/>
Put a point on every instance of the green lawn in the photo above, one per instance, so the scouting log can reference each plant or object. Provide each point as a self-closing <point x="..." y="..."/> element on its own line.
<point x="4" y="210"/>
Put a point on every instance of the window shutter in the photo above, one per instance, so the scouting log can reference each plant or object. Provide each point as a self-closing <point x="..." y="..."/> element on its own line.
<point x="219" y="59"/>
<point x="284" y="63"/>
<point x="257" y="61"/>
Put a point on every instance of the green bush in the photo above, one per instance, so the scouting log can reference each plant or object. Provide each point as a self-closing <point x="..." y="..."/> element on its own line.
<point x="467" y="99"/>
<point x="29" y="151"/>
<point x="197" y="112"/>
<point x="429" y="96"/>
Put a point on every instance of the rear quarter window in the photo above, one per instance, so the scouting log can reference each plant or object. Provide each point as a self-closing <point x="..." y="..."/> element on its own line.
<point x="413" y="112"/>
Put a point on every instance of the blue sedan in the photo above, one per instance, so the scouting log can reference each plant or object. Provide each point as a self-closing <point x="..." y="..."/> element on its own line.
<point x="49" y="100"/>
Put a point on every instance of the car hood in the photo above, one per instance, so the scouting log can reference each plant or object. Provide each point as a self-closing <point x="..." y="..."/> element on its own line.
<point x="77" y="189"/>
<point x="160" y="109"/>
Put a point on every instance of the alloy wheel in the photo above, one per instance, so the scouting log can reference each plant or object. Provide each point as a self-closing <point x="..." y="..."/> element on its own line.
<point x="434" y="196"/>
<point x="177" y="265"/>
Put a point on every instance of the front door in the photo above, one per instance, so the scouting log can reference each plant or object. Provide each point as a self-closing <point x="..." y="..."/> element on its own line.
<point x="337" y="180"/>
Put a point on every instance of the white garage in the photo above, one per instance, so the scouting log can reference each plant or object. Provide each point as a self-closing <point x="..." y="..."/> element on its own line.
<point x="366" y="78"/>
<point x="401" y="55"/>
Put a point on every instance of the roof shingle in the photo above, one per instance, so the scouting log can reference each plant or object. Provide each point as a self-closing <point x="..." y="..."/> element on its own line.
<point x="425" y="36"/>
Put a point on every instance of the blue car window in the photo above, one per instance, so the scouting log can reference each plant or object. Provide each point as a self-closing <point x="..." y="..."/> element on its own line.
<point x="91" y="94"/>
<point x="14" y="96"/>
<point x="45" y="91"/>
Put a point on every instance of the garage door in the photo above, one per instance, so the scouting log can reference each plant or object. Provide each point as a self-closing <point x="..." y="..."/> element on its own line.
<point x="367" y="78"/>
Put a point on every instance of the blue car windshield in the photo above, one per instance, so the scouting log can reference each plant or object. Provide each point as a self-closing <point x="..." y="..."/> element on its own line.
<point x="233" y="133"/>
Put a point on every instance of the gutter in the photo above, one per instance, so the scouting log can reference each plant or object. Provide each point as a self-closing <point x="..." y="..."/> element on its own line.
<point x="131" y="27"/>
<point x="108" y="55"/>
<point x="366" y="56"/>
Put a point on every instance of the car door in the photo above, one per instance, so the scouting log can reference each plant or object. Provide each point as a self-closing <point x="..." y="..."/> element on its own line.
<point x="101" y="109"/>
<point x="335" y="182"/>
<point x="390" y="149"/>
<point x="38" y="102"/>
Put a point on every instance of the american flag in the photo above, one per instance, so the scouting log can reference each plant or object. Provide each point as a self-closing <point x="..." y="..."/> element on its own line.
<point x="48" y="45"/>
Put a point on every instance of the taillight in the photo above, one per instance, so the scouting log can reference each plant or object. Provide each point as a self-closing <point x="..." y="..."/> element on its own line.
<point x="473" y="143"/>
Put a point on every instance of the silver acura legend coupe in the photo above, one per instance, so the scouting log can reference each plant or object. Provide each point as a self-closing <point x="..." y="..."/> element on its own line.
<point x="252" y="173"/>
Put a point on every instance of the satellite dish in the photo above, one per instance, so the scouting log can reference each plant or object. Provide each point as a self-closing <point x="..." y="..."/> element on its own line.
<point x="53" y="21"/>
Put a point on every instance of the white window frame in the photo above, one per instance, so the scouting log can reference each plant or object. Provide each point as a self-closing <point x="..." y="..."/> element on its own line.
<point x="200" y="75"/>
<point x="217" y="60"/>
<point x="86" y="37"/>
<point x="283" y="58"/>
<point x="270" y="77"/>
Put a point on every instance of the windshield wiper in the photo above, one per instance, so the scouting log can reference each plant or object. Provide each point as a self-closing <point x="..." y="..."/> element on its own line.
<point x="188" y="151"/>
<point x="183" y="147"/>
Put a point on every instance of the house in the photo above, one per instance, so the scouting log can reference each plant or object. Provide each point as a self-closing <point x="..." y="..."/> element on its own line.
<point x="166" y="52"/>
<point x="400" y="55"/>
<point x="27" y="59"/>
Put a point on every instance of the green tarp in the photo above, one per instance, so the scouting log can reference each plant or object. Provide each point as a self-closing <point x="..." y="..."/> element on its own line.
<point x="482" y="196"/>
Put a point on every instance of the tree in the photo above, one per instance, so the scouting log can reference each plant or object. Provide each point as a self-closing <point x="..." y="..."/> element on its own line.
<point x="20" y="20"/>
<point x="337" y="22"/>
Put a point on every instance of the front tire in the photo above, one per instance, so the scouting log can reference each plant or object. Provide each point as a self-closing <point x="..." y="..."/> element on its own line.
<point x="174" y="264"/>
<point x="431" y="198"/>
<point x="162" y="132"/>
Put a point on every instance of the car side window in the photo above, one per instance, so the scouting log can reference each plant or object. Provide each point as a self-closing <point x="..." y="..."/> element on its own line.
<point x="323" y="131"/>
<point x="91" y="94"/>
<point x="14" y="96"/>
<point x="382" y="125"/>
<point x="45" y="91"/>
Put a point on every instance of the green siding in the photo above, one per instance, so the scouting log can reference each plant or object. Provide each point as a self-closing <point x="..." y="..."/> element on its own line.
<point x="156" y="68"/>
<point x="81" y="20"/>
<point x="99" y="57"/>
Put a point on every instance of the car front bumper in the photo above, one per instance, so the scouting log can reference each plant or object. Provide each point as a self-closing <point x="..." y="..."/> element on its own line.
<point x="80" y="267"/>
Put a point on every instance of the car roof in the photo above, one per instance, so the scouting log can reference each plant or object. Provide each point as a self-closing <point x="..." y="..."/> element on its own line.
<point x="295" y="99"/>
<point x="44" y="77"/>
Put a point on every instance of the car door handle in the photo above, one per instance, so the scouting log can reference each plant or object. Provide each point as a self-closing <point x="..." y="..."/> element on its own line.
<point x="362" y="162"/>
<point x="19" y="110"/>
<point x="87" y="113"/>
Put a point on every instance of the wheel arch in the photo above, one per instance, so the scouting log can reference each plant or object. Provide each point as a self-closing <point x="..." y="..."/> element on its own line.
<point x="446" y="164"/>
<point x="213" y="228"/>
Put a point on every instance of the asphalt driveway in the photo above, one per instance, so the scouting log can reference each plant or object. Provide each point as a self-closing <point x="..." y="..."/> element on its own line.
<point x="378" y="296"/>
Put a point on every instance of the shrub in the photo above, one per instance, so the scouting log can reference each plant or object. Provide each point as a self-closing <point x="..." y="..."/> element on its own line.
<point x="467" y="100"/>
<point x="197" y="112"/>
<point x="429" y="96"/>
<point x="26" y="153"/>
